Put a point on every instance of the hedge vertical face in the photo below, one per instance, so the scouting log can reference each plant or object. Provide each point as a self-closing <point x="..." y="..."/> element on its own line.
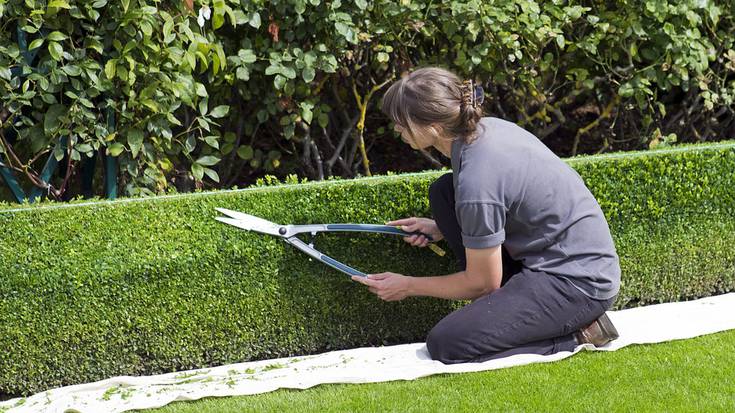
<point x="144" y="286"/>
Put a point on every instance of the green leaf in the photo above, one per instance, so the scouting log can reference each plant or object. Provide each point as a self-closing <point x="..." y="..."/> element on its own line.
<point x="204" y="106"/>
<point x="87" y="103"/>
<point x="168" y="27"/>
<point x="115" y="149"/>
<point x="212" y="174"/>
<point x="323" y="120"/>
<point x="308" y="74"/>
<point x="208" y="160"/>
<point x="243" y="73"/>
<point x="135" y="141"/>
<point x="220" y="111"/>
<point x="72" y="70"/>
<point x="198" y="171"/>
<point x="83" y="147"/>
<point x="5" y="73"/>
<point x="201" y="90"/>
<point x="57" y="36"/>
<point x="362" y="4"/>
<point x="35" y="44"/>
<point x="306" y="111"/>
<point x="245" y="152"/>
<point x="255" y="20"/>
<point x="247" y="56"/>
<point x="626" y="90"/>
<point x="560" y="41"/>
<point x="279" y="82"/>
<point x="212" y="141"/>
<point x="55" y="50"/>
<point x="110" y="68"/>
<point x="273" y="69"/>
<point x="217" y="21"/>
<point x="126" y="4"/>
<point x="59" y="4"/>
<point x="289" y="72"/>
<point x="146" y="28"/>
<point x="51" y="118"/>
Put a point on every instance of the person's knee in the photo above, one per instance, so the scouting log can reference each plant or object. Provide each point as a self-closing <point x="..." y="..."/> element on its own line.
<point x="443" y="346"/>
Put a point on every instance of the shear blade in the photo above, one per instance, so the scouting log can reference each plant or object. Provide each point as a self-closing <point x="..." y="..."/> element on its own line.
<point x="251" y="223"/>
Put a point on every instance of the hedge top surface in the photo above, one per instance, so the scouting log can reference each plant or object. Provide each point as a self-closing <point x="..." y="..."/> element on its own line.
<point x="11" y="208"/>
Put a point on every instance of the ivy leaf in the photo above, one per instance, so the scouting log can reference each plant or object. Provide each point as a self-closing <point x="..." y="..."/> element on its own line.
<point x="243" y="73"/>
<point x="306" y="111"/>
<point x="279" y="82"/>
<point x="289" y="72"/>
<point x="255" y="20"/>
<point x="308" y="74"/>
<point x="273" y="69"/>
<point x="247" y="56"/>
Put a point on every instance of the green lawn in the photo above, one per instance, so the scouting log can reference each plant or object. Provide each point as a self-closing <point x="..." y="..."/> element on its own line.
<point x="696" y="375"/>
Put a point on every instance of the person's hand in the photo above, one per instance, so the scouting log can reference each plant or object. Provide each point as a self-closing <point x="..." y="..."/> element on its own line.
<point x="413" y="224"/>
<point x="389" y="286"/>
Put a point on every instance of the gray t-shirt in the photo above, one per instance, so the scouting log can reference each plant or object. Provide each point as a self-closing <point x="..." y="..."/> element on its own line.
<point x="511" y="189"/>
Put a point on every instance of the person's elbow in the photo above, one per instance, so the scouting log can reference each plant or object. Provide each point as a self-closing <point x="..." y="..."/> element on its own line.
<point x="479" y="285"/>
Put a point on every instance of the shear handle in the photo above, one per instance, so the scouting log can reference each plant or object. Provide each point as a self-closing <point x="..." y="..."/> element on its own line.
<point x="310" y="251"/>
<point x="383" y="229"/>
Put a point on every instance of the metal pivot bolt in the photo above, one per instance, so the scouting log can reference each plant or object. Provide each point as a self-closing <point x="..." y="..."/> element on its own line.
<point x="282" y="230"/>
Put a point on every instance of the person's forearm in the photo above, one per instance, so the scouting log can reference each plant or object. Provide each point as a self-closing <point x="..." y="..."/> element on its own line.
<point x="457" y="286"/>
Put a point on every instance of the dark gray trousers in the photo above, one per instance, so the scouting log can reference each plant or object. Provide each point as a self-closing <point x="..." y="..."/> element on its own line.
<point x="532" y="312"/>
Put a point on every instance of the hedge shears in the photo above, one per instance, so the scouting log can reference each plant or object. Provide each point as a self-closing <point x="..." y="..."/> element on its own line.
<point x="288" y="233"/>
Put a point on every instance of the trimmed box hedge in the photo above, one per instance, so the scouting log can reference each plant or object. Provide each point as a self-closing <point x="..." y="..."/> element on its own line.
<point x="90" y="290"/>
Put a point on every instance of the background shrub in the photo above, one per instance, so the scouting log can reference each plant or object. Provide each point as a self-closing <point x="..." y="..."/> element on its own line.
<point x="291" y="86"/>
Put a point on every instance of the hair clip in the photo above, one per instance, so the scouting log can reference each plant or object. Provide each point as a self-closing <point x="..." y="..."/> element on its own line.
<point x="478" y="96"/>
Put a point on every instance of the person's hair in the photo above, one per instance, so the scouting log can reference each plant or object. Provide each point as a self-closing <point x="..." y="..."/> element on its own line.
<point x="434" y="96"/>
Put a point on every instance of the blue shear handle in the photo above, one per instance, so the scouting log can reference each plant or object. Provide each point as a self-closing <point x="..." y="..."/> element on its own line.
<point x="341" y="267"/>
<point x="384" y="229"/>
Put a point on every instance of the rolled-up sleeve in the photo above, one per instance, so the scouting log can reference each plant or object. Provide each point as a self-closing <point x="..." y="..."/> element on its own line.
<point x="482" y="223"/>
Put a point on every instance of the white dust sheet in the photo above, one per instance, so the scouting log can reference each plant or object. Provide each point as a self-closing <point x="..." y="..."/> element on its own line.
<point x="651" y="324"/>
